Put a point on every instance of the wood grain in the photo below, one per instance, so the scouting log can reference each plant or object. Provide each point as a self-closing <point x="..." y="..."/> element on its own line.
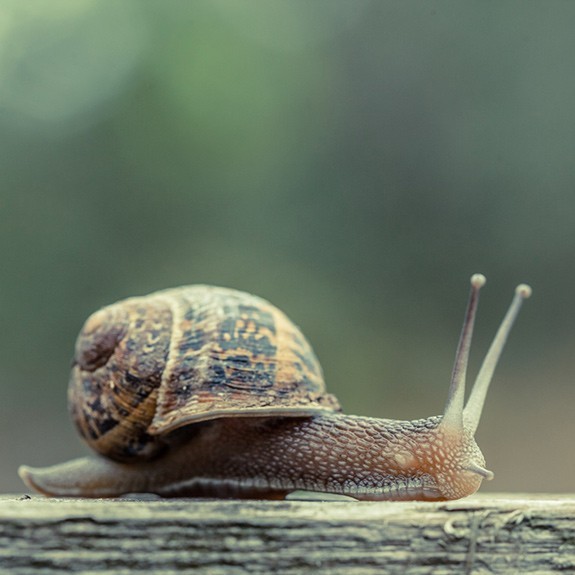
<point x="482" y="534"/>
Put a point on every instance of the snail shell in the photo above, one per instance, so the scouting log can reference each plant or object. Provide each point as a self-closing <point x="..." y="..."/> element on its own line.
<point x="146" y="366"/>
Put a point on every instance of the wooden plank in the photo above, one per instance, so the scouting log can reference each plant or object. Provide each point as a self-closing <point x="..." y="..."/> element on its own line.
<point x="483" y="534"/>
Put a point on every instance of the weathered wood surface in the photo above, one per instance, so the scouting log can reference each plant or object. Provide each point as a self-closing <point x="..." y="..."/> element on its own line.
<point x="484" y="534"/>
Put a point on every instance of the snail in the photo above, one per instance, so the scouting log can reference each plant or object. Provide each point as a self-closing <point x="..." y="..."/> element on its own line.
<point x="207" y="391"/>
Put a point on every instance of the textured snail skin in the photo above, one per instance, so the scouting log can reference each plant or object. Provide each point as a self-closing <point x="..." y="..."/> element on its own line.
<point x="362" y="457"/>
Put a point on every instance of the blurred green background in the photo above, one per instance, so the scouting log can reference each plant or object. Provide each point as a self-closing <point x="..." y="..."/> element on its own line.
<point x="351" y="161"/>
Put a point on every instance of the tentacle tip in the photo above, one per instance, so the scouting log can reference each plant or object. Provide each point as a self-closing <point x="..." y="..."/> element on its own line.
<point x="478" y="280"/>
<point x="489" y="475"/>
<point x="480" y="470"/>
<point x="523" y="290"/>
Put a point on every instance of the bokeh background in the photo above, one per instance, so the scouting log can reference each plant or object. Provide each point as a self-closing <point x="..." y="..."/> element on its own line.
<point x="351" y="161"/>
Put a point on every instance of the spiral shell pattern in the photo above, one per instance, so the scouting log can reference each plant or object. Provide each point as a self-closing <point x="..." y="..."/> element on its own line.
<point x="149" y="365"/>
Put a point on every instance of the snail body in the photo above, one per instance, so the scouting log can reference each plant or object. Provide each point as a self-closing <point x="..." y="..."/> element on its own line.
<point x="204" y="391"/>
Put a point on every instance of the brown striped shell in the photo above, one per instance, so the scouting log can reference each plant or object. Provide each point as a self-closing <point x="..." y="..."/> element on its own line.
<point x="146" y="366"/>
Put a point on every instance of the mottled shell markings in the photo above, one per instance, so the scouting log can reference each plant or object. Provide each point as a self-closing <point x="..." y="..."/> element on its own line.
<point x="232" y="352"/>
<point x="149" y="365"/>
<point x="118" y="365"/>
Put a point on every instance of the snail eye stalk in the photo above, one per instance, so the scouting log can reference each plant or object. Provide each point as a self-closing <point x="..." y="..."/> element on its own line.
<point x="456" y="416"/>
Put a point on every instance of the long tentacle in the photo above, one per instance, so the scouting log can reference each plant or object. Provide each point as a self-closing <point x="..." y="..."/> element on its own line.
<point x="453" y="413"/>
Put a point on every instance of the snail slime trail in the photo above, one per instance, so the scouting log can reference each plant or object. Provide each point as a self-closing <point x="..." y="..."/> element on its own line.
<point x="208" y="391"/>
